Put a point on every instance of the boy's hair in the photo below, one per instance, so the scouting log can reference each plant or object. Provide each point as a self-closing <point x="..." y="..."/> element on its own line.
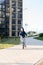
<point x="22" y="28"/>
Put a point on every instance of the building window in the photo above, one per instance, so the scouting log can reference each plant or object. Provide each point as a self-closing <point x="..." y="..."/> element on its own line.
<point x="19" y="21"/>
<point x="13" y="27"/>
<point x="20" y="0"/>
<point x="7" y="1"/>
<point x="14" y="9"/>
<point x="13" y="33"/>
<point x="7" y="33"/>
<point x="19" y="27"/>
<point x="20" y="4"/>
<point x="14" y="3"/>
<point x="18" y="33"/>
<point x="3" y="15"/>
<point x="3" y="19"/>
<point x="13" y="21"/>
<point x="20" y="10"/>
<point x="3" y="6"/>
<point x="7" y="21"/>
<point x="3" y="9"/>
<point x="14" y="15"/>
<point x="19" y="15"/>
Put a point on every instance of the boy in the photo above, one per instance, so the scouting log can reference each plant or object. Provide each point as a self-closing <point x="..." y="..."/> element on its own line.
<point x="22" y="37"/>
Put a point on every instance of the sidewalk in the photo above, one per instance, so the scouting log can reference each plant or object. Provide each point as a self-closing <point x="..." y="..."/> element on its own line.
<point x="16" y="55"/>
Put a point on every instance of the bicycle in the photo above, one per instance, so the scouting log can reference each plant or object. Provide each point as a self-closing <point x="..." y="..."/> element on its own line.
<point x="24" y="45"/>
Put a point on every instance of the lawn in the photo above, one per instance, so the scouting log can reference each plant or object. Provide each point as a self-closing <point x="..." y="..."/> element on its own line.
<point x="9" y="42"/>
<point x="39" y="38"/>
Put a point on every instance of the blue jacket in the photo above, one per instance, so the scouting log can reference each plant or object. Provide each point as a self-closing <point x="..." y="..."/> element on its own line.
<point x="23" y="34"/>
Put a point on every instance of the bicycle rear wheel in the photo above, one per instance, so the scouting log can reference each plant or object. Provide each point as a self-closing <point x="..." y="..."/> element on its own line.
<point x="23" y="45"/>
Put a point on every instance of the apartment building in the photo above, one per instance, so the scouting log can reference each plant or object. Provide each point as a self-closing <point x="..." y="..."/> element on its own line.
<point x="12" y="17"/>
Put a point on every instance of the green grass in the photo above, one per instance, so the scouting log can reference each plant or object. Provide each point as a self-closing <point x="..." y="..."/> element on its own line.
<point x="39" y="38"/>
<point x="9" y="42"/>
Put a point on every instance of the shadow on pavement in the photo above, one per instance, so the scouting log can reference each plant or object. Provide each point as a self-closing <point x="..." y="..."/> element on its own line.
<point x="16" y="64"/>
<point x="25" y="48"/>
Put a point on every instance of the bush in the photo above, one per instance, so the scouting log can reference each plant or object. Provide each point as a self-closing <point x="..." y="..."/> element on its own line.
<point x="41" y="35"/>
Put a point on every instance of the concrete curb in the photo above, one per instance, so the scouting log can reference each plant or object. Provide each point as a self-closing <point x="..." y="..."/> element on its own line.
<point x="40" y="62"/>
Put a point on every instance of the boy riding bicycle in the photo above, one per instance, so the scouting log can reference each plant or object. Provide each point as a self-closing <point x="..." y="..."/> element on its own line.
<point x="22" y="37"/>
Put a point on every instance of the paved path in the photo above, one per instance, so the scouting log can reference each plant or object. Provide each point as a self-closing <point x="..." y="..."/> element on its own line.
<point x="17" y="56"/>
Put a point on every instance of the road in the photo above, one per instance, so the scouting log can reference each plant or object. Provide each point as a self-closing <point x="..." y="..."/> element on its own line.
<point x="32" y="41"/>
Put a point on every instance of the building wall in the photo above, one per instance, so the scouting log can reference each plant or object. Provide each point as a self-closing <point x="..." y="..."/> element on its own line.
<point x="2" y="17"/>
<point x="13" y="17"/>
<point x="16" y="16"/>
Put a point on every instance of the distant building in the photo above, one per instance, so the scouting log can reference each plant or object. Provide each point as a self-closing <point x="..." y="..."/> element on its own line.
<point x="31" y="33"/>
<point x="11" y="17"/>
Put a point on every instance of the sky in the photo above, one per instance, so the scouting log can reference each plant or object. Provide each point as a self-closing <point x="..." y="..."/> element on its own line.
<point x="1" y="1"/>
<point x="33" y="15"/>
